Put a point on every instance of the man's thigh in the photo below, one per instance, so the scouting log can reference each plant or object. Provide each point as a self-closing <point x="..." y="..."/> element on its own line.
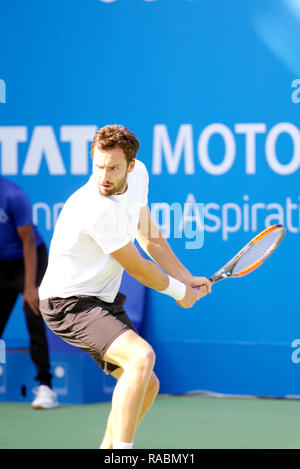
<point x="81" y="321"/>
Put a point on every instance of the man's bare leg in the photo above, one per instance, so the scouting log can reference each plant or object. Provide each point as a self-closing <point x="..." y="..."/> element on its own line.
<point x="136" y="357"/>
<point x="151" y="393"/>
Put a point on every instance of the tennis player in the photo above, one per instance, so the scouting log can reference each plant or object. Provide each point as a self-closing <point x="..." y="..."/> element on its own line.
<point x="93" y="243"/>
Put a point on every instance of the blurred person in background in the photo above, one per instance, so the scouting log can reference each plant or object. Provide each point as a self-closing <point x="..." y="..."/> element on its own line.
<point x="23" y="262"/>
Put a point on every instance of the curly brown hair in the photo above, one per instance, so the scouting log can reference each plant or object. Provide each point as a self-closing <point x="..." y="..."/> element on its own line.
<point x="112" y="136"/>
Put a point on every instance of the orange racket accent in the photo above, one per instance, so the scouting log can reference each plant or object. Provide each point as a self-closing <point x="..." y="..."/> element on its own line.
<point x="264" y="233"/>
<point x="250" y="268"/>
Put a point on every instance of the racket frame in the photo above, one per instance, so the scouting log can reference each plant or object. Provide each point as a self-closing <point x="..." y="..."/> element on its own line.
<point x="227" y="270"/>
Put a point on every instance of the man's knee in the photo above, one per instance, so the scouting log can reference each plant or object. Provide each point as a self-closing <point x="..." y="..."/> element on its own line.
<point x="144" y="358"/>
<point x="130" y="351"/>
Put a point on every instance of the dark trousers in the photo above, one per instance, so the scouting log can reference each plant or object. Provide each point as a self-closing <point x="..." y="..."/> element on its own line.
<point x="11" y="285"/>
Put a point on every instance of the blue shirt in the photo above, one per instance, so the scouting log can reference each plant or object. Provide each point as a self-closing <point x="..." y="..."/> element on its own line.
<point x="15" y="211"/>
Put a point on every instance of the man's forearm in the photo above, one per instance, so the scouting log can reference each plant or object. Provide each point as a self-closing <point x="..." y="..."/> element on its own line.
<point x="150" y="275"/>
<point x="143" y="270"/>
<point x="156" y="246"/>
<point x="160" y="251"/>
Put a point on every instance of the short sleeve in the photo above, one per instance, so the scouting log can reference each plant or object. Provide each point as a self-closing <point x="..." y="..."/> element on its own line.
<point x="110" y="230"/>
<point x="20" y="208"/>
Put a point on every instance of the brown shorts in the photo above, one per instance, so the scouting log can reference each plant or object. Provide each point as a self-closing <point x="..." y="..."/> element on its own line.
<point x="88" y="323"/>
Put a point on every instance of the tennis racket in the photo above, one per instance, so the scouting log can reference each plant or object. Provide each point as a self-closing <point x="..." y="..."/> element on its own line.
<point x="252" y="255"/>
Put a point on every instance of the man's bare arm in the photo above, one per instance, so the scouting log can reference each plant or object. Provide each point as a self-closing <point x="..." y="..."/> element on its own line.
<point x="156" y="246"/>
<point x="144" y="271"/>
<point x="150" y="274"/>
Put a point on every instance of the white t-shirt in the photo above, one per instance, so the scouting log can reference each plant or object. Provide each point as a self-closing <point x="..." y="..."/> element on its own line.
<point x="89" y="228"/>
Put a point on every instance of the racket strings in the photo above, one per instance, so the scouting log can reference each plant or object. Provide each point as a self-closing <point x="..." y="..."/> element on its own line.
<point x="258" y="251"/>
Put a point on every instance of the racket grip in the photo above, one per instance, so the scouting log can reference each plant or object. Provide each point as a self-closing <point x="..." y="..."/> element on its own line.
<point x="210" y="279"/>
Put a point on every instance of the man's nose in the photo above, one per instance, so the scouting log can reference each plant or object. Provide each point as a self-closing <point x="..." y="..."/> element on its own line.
<point x="104" y="174"/>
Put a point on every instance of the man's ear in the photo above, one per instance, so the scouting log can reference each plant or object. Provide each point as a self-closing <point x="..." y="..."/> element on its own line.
<point x="131" y="166"/>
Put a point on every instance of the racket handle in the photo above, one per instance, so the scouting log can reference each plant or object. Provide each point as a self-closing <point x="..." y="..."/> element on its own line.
<point x="210" y="279"/>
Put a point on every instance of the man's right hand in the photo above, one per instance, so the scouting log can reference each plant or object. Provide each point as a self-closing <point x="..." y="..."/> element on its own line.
<point x="192" y="295"/>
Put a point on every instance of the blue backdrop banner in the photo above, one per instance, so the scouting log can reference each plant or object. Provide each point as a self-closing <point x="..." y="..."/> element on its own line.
<point x="212" y="90"/>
